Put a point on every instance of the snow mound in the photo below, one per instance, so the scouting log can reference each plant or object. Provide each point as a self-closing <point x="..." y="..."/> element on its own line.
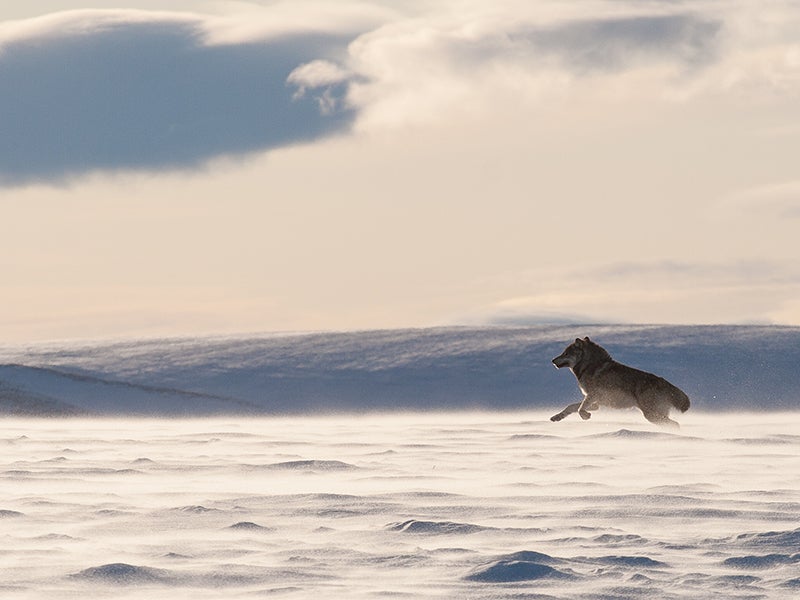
<point x="248" y="526"/>
<point x="507" y="571"/>
<point x="633" y="434"/>
<point x="435" y="527"/>
<point x="767" y="561"/>
<point x="778" y="539"/>
<point x="311" y="465"/>
<point x="124" y="574"/>
<point x="630" y="561"/>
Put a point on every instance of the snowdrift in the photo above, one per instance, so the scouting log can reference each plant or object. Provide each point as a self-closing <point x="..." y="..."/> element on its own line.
<point x="485" y="506"/>
<point x="720" y="367"/>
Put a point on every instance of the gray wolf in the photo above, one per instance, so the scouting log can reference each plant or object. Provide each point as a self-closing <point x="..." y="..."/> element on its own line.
<point x="605" y="382"/>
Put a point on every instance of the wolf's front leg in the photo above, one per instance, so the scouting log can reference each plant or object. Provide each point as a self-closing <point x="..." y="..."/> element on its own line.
<point x="567" y="411"/>
<point x="585" y="407"/>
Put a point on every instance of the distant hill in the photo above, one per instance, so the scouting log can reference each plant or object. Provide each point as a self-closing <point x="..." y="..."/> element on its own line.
<point x="498" y="368"/>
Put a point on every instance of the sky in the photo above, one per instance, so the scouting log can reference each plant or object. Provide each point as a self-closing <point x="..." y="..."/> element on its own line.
<point x="192" y="167"/>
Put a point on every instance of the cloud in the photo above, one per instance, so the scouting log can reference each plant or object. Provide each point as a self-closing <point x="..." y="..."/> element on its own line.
<point x="424" y="68"/>
<point x="120" y="90"/>
<point x="778" y="200"/>
<point x="746" y="291"/>
<point x="608" y="44"/>
<point x="676" y="273"/>
<point x="320" y="74"/>
<point x="431" y="66"/>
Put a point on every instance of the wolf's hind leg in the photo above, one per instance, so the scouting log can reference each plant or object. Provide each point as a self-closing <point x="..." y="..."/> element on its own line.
<point x="567" y="411"/>
<point x="660" y="418"/>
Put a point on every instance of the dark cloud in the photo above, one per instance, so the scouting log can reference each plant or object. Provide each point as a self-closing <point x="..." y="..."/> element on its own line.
<point x="610" y="44"/>
<point x="153" y="96"/>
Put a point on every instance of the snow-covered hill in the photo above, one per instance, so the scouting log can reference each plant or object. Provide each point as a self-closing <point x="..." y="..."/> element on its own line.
<point x="720" y="367"/>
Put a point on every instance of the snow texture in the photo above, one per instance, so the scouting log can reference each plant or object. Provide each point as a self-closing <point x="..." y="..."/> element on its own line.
<point x="721" y="368"/>
<point x="450" y="505"/>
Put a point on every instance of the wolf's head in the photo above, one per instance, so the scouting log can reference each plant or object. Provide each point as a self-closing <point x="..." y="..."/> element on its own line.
<point x="571" y="355"/>
<point x="581" y="350"/>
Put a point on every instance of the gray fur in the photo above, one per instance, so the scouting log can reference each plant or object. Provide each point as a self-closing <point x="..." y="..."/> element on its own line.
<point x="605" y="382"/>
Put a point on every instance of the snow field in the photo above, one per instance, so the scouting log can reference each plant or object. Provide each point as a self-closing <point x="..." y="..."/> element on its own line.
<point x="446" y="505"/>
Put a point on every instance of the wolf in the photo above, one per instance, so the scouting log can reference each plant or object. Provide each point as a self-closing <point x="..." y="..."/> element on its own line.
<point x="605" y="382"/>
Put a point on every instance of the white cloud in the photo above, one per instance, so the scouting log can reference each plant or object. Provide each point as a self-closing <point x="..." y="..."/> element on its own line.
<point x="317" y="73"/>
<point x="426" y="67"/>
<point x="81" y="22"/>
<point x="777" y="200"/>
<point x="231" y="23"/>
<point x="745" y="291"/>
<point x="239" y="23"/>
<point x="456" y="59"/>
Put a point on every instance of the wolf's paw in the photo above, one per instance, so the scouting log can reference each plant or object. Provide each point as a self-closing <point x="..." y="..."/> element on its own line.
<point x="557" y="417"/>
<point x="585" y="415"/>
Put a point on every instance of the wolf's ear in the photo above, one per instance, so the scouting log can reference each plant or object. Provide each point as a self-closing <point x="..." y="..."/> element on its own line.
<point x="578" y="341"/>
<point x="586" y="339"/>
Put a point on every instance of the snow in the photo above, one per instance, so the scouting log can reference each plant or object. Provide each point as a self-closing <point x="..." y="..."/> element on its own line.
<point x="483" y="505"/>
<point x="720" y="367"/>
<point x="411" y="463"/>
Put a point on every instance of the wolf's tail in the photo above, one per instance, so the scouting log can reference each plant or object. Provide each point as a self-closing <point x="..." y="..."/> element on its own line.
<point x="679" y="399"/>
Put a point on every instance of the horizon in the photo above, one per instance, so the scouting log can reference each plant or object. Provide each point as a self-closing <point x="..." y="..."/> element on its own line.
<point x="249" y="335"/>
<point x="729" y="368"/>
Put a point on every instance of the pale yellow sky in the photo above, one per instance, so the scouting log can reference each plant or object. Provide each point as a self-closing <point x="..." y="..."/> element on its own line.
<point x="503" y="165"/>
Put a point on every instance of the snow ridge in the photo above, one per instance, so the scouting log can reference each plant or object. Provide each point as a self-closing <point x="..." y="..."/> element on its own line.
<point x="497" y="368"/>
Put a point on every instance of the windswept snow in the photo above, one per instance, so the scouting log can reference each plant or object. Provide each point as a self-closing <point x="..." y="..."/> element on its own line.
<point x="720" y="367"/>
<point x="379" y="502"/>
<point x="452" y="505"/>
